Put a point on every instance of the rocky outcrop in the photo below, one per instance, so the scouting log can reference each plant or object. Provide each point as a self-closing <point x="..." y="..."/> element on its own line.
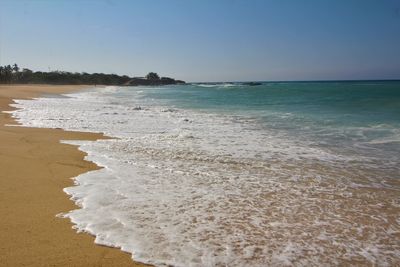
<point x="252" y="83"/>
<point x="152" y="79"/>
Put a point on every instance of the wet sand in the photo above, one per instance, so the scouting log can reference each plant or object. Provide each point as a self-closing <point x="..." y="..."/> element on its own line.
<point x="34" y="168"/>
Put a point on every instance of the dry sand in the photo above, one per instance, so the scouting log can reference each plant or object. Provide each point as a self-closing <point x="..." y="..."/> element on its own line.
<point x="34" y="168"/>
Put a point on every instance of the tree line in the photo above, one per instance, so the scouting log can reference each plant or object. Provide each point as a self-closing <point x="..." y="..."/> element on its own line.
<point x="14" y="74"/>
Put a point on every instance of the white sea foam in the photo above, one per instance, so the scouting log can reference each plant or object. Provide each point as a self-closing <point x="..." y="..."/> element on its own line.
<point x="188" y="188"/>
<point x="218" y="85"/>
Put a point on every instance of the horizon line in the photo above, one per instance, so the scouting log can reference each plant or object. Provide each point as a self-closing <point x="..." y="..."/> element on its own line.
<point x="323" y="80"/>
<point x="242" y="81"/>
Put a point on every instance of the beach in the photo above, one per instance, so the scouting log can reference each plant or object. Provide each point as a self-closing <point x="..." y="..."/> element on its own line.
<point x="223" y="174"/>
<point x="199" y="133"/>
<point x="229" y="174"/>
<point x="35" y="167"/>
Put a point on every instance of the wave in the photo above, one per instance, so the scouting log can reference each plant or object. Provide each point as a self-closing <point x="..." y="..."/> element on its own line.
<point x="188" y="188"/>
<point x="218" y="85"/>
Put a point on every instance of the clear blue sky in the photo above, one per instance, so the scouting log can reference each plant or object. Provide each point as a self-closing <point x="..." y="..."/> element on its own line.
<point x="206" y="40"/>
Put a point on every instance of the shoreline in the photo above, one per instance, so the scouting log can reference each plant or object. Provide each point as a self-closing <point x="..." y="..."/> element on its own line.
<point x="36" y="168"/>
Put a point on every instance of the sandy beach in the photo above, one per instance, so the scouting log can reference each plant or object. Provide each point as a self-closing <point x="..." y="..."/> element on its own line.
<point x="35" y="168"/>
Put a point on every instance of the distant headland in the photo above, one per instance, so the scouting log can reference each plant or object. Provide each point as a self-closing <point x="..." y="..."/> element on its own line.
<point x="153" y="79"/>
<point x="10" y="74"/>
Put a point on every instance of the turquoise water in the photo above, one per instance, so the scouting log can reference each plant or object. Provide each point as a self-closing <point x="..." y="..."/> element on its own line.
<point x="343" y="102"/>
<point x="361" y="117"/>
<point x="280" y="174"/>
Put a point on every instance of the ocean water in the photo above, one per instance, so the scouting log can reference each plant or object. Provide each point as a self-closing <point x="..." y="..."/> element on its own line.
<point x="281" y="174"/>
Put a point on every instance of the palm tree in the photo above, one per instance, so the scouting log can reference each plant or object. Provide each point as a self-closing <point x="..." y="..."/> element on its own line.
<point x="15" y="68"/>
<point x="2" y="74"/>
<point x="8" y="73"/>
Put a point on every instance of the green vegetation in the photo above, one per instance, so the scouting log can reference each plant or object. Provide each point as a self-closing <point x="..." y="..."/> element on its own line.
<point x="152" y="76"/>
<point x="13" y="74"/>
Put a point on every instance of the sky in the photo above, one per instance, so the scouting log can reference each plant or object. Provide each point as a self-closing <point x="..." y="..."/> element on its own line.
<point x="206" y="40"/>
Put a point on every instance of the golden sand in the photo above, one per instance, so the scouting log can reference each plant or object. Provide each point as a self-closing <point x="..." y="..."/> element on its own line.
<point x="34" y="168"/>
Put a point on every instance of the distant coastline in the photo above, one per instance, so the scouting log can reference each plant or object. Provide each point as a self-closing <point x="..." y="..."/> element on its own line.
<point x="13" y="74"/>
<point x="152" y="79"/>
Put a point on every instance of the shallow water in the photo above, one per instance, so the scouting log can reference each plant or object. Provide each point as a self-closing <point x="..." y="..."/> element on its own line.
<point x="282" y="174"/>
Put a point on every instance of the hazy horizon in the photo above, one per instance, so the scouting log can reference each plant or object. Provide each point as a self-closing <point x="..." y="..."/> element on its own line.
<point x="199" y="41"/>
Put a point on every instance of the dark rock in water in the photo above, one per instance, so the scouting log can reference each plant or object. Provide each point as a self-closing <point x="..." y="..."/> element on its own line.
<point x="252" y="83"/>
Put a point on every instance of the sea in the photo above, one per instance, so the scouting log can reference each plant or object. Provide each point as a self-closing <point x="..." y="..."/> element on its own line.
<point x="237" y="174"/>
